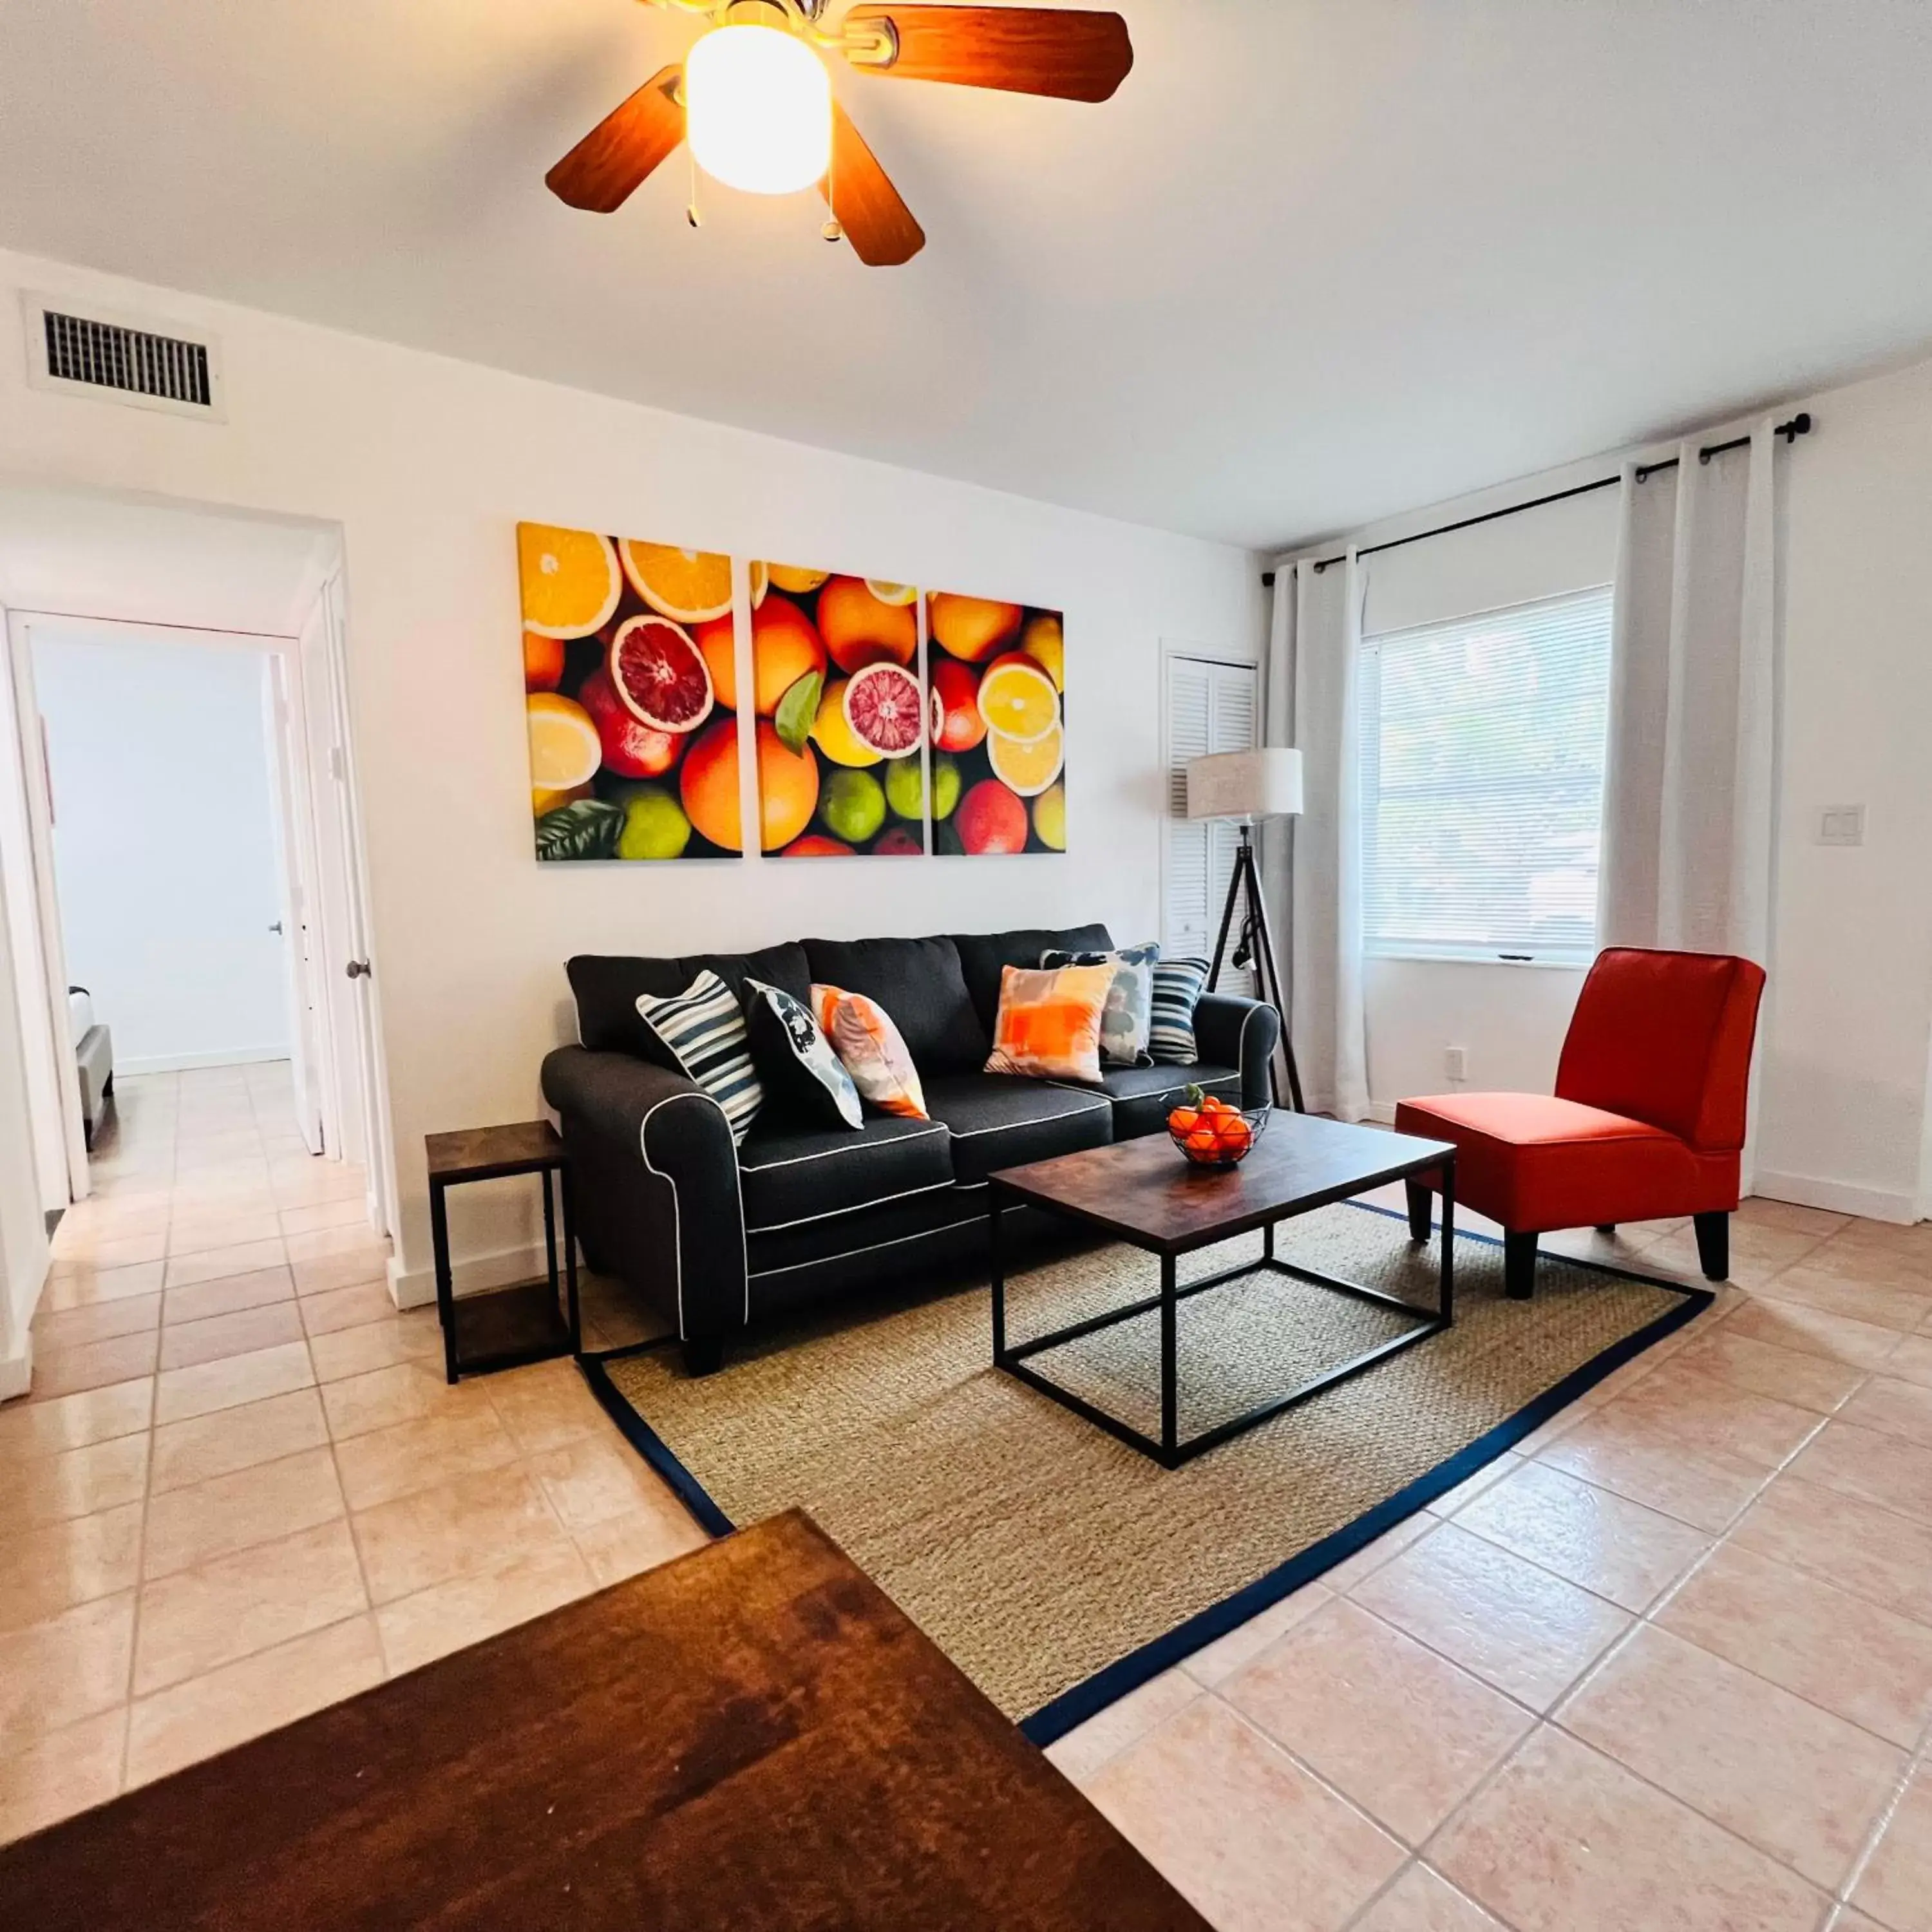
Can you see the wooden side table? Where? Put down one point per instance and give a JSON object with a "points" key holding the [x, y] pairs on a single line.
{"points": [[508, 1326]]}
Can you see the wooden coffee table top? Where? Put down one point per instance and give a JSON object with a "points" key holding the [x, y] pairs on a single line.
{"points": [[1143, 1191], [752, 1737]]}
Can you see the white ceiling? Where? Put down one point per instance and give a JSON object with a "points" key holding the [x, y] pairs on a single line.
{"points": [[83, 554], [1318, 261]]}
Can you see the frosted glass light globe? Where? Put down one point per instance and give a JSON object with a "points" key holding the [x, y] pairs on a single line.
{"points": [[758, 110]]}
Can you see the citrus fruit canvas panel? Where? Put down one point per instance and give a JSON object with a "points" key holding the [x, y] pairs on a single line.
{"points": [[629, 688], [841, 714], [997, 721]]}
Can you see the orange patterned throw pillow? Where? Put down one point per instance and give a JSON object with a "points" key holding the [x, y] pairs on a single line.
{"points": [[1049, 1022], [869, 1047]]}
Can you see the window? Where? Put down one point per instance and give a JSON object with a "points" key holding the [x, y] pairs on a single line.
{"points": [[1210, 707], [1482, 750]]}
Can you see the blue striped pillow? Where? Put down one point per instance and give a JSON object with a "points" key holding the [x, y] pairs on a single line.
{"points": [[1178, 984], [703, 1029]]}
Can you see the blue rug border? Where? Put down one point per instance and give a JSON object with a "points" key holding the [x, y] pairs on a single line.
{"points": [[1085, 1700]]}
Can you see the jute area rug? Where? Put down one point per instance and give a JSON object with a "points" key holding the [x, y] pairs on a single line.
{"points": [[1060, 1568]]}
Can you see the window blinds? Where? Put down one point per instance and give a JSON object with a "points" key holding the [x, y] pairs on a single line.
{"points": [[1482, 747], [1211, 707]]}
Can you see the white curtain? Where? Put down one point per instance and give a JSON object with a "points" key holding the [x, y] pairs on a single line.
{"points": [[1689, 795], [1314, 651]]}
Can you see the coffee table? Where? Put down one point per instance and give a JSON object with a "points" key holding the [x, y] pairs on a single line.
{"points": [[1143, 1192]]}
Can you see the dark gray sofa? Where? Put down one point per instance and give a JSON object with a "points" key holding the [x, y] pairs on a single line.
{"points": [[718, 1239]]}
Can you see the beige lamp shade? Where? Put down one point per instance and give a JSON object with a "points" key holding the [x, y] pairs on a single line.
{"points": [[1265, 783]]}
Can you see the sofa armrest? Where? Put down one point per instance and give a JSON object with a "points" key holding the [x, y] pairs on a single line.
{"points": [[1230, 1031], [654, 1186]]}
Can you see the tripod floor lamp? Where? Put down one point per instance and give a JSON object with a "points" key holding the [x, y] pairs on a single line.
{"points": [[1248, 786]]}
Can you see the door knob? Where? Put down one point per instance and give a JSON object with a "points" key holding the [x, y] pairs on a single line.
{"points": [[358, 969]]}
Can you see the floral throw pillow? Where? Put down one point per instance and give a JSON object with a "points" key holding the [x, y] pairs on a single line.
{"points": [[1128, 1017], [870, 1049], [795, 1061], [1048, 1026]]}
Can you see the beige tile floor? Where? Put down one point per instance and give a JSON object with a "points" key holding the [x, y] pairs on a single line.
{"points": [[1667, 1668], [241, 1489]]}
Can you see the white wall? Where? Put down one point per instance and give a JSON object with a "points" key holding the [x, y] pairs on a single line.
{"points": [[428, 465], [1844, 1119], [165, 845]]}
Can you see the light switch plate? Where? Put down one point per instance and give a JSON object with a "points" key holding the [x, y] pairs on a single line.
{"points": [[1842, 825], [1455, 1062]]}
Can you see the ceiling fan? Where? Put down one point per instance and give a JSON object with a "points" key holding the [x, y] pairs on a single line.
{"points": [[754, 100]]}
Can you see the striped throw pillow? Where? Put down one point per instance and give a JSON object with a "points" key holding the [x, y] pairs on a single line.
{"points": [[1178, 984], [703, 1030]]}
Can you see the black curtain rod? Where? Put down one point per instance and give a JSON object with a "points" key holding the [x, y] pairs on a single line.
{"points": [[1799, 425]]}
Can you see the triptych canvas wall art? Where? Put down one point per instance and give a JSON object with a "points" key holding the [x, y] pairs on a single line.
{"points": [[887, 724]]}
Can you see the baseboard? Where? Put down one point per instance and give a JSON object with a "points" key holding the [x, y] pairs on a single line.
{"points": [[188, 1062], [1382, 1112], [1837, 1197], [17, 1372], [475, 1274]]}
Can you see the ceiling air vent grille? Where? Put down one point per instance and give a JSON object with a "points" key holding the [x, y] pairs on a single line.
{"points": [[122, 358], [114, 358]]}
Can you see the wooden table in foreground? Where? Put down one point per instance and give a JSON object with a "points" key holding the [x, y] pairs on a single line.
{"points": [[752, 1738]]}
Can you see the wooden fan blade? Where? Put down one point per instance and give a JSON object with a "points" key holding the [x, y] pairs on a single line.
{"points": [[606, 167], [877, 224], [1076, 56]]}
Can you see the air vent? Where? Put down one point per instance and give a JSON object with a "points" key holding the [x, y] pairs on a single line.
{"points": [[104, 352], [119, 359]]}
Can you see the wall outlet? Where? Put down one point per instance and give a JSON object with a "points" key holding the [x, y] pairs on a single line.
{"points": [[1456, 1062], [1842, 825]]}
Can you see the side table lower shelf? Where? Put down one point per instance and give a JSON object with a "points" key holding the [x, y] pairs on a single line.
{"points": [[532, 1321]]}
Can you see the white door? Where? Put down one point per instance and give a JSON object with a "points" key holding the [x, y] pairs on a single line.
{"points": [[308, 1050], [1208, 707]]}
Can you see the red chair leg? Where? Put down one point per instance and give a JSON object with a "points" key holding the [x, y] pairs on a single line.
{"points": [[1518, 1266], [1713, 1245], [1420, 1211]]}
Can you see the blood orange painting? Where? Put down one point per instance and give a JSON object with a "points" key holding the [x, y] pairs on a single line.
{"points": [[996, 720], [841, 714], [630, 690]]}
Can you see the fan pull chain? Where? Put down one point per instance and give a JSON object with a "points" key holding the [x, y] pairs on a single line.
{"points": [[831, 231]]}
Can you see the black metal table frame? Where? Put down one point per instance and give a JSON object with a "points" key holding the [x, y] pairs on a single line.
{"points": [[569, 1338], [1169, 1451]]}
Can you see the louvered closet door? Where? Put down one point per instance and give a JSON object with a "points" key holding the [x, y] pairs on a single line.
{"points": [[1210, 707]]}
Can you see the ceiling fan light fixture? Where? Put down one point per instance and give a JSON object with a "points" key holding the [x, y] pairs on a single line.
{"points": [[758, 110]]}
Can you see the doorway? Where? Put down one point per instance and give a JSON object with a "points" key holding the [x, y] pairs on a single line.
{"points": [[179, 840]]}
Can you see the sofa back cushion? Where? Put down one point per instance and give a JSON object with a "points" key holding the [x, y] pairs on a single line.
{"points": [[606, 986], [984, 957], [919, 984]]}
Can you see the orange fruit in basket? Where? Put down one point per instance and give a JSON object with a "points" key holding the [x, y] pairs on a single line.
{"points": [[1235, 1134], [1184, 1119], [1203, 1143]]}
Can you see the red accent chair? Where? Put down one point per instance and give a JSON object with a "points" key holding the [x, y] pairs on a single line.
{"points": [[1647, 1121]]}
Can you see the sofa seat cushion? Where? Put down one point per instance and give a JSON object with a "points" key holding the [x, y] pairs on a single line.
{"points": [[918, 983], [1144, 1096], [791, 1175], [1535, 1163], [999, 1121]]}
